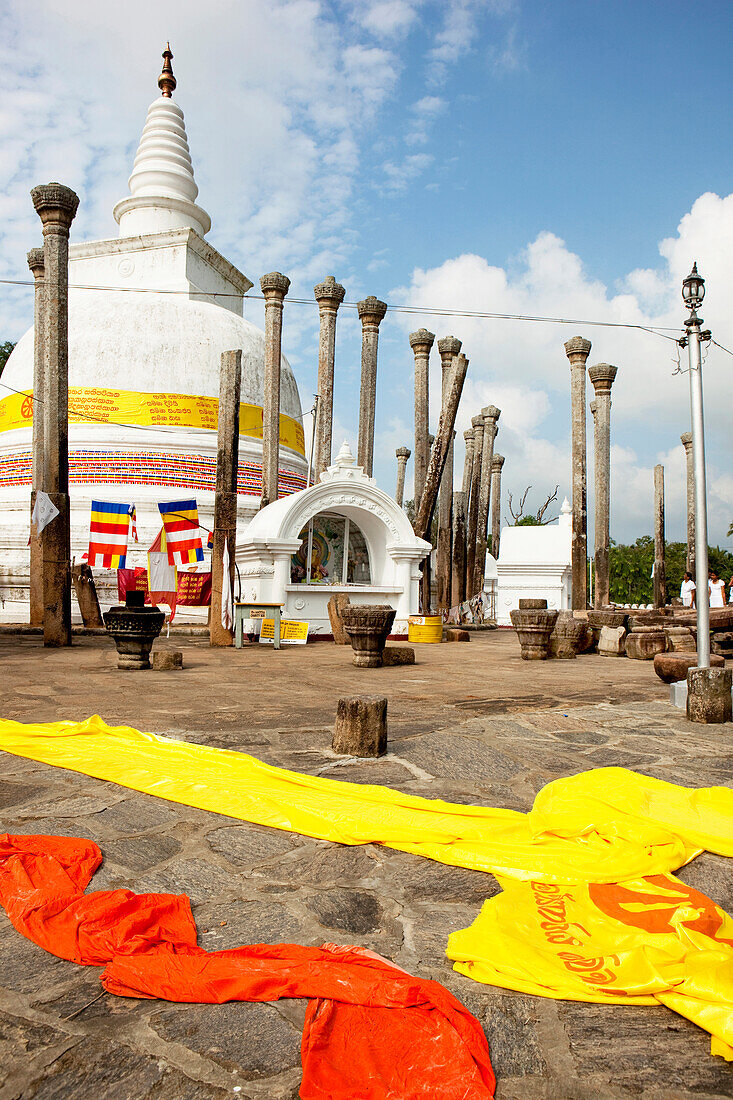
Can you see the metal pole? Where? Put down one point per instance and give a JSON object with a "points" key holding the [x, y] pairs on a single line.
{"points": [[702, 595]]}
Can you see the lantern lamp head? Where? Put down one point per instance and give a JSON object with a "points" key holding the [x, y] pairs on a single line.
{"points": [[693, 288]]}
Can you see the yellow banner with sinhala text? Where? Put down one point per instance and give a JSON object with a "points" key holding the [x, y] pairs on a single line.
{"points": [[167, 410]]}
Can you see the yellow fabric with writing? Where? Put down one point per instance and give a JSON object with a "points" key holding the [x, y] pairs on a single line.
{"points": [[170, 410], [588, 909]]}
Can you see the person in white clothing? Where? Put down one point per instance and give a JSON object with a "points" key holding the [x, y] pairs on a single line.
{"points": [[687, 591], [716, 587], [730, 591]]}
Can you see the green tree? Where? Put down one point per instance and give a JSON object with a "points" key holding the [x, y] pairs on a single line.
{"points": [[631, 569], [5, 350]]}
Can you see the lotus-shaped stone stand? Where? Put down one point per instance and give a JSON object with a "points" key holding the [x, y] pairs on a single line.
{"points": [[368, 627], [133, 630], [533, 628]]}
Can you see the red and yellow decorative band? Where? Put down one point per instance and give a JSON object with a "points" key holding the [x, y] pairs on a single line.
{"points": [[168, 410], [195, 472]]}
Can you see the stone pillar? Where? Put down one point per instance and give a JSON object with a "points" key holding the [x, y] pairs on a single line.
{"points": [[329, 294], [577, 350], [371, 312], [403, 453], [687, 444], [35, 263], [660, 576], [472, 519], [439, 451], [421, 342], [490, 416], [467, 465], [496, 464], [602, 376], [274, 287], [225, 500], [458, 554], [448, 347], [56, 206]]}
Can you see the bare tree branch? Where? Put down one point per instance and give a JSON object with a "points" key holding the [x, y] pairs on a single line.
{"points": [[516, 517], [542, 522]]}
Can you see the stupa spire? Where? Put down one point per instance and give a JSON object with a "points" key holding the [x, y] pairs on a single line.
{"points": [[163, 190], [166, 80]]}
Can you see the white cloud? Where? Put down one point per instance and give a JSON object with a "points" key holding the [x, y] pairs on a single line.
{"points": [[398, 176], [522, 367]]}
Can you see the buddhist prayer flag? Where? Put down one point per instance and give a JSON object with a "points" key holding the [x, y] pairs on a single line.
{"points": [[162, 583], [181, 524], [108, 531], [133, 521]]}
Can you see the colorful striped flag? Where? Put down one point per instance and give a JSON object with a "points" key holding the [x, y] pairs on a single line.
{"points": [[108, 531], [162, 576], [181, 523], [133, 519]]}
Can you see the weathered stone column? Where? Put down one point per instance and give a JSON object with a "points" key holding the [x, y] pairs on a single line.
{"points": [[35, 263], [56, 206], [371, 313], [225, 500], [490, 417], [458, 555], [472, 519], [686, 439], [660, 573], [577, 350], [403, 453], [329, 294], [467, 465], [421, 342], [274, 287], [448, 346], [602, 376], [496, 464], [439, 451]]}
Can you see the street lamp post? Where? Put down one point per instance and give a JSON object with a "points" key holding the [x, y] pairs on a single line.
{"points": [[693, 292]]}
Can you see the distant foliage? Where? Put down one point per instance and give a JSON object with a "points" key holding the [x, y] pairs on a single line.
{"points": [[631, 569], [5, 350]]}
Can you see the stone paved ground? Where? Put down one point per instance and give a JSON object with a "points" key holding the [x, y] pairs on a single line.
{"points": [[470, 723]]}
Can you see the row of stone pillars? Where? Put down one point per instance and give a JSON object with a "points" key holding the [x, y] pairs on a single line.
{"points": [[463, 516], [602, 376]]}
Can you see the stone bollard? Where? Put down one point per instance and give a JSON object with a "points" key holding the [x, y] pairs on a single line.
{"points": [[361, 726], [709, 695], [166, 659], [533, 627], [612, 641]]}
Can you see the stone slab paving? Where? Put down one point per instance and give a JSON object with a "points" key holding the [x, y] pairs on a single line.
{"points": [[468, 723]]}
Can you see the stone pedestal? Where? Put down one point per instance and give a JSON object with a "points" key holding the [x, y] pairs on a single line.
{"points": [[533, 631], [133, 629], [709, 695], [598, 619], [368, 628], [361, 726], [568, 637], [680, 639]]}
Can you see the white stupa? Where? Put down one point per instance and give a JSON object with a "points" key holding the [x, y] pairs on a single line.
{"points": [[144, 368]]}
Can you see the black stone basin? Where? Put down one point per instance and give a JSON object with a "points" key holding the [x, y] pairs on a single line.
{"points": [[134, 628]]}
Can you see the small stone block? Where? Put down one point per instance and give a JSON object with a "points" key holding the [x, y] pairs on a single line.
{"points": [[164, 660], [454, 635], [398, 655], [532, 605], [361, 726], [644, 645], [612, 642], [709, 695]]}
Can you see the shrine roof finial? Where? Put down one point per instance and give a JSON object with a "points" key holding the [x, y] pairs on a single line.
{"points": [[166, 80]]}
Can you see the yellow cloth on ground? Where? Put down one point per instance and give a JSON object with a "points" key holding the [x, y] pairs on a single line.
{"points": [[588, 911]]}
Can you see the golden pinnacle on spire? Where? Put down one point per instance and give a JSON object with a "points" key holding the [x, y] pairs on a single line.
{"points": [[166, 80]]}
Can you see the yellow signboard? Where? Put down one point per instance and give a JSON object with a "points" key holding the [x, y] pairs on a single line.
{"points": [[169, 410], [292, 632]]}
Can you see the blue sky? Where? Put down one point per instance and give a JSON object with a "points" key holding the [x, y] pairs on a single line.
{"points": [[556, 158]]}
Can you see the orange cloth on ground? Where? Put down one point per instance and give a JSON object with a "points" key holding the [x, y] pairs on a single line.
{"points": [[370, 1026]]}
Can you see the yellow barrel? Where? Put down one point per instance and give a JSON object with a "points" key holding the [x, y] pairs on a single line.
{"points": [[425, 628]]}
